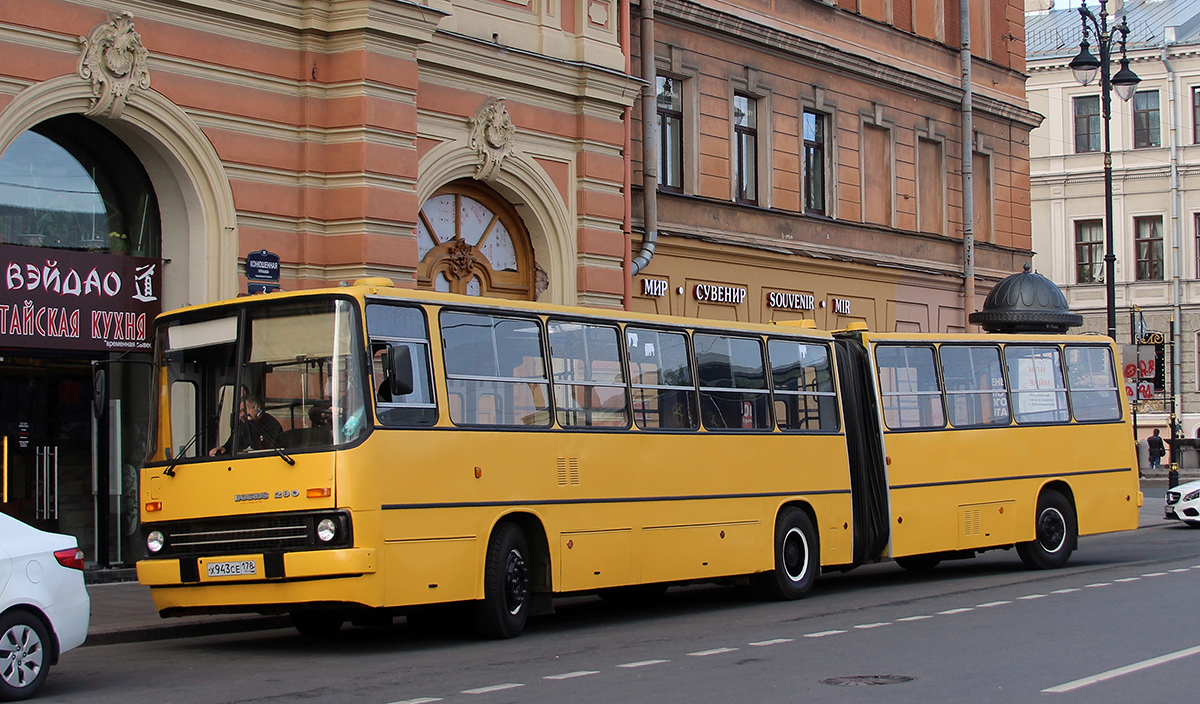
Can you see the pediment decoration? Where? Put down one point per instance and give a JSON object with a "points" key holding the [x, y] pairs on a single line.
{"points": [[114, 60], [492, 137]]}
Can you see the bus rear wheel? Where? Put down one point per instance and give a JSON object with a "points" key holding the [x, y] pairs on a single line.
{"points": [[797, 558], [1055, 533], [504, 609]]}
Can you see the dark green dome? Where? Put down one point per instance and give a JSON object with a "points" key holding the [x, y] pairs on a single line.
{"points": [[1026, 302]]}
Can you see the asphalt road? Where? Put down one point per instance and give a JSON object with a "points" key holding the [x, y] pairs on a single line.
{"points": [[1107, 628]]}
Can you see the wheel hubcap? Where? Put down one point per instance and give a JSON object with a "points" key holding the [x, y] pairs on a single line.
{"points": [[20, 656], [795, 555], [516, 582], [1052, 530]]}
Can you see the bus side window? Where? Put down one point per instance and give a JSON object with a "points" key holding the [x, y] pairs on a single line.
{"points": [[974, 378], [733, 383], [1035, 378], [664, 395], [392, 328], [1093, 383], [495, 365], [908, 384], [802, 381], [589, 379]]}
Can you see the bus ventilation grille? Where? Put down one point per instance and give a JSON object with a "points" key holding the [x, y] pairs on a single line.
{"points": [[971, 524], [568, 471]]}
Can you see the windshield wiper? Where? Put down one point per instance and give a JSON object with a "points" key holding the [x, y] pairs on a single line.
{"points": [[170, 470]]}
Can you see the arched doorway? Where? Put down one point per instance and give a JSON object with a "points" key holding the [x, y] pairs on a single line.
{"points": [[76, 207], [471, 241]]}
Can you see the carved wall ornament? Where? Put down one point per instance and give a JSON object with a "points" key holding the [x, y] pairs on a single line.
{"points": [[114, 60], [492, 136], [462, 259]]}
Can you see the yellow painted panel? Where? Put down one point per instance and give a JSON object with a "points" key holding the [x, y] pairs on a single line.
{"points": [[592, 560], [695, 552], [430, 571], [982, 525]]}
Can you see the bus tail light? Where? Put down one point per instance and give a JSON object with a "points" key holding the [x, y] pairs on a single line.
{"points": [[321, 492], [152, 506]]}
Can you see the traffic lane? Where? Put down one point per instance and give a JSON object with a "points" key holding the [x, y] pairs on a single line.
{"points": [[377, 663]]}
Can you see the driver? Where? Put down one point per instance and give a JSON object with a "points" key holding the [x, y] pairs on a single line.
{"points": [[256, 429]]}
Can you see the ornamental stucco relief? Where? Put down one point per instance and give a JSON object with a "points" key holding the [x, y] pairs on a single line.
{"points": [[114, 60], [492, 137]]}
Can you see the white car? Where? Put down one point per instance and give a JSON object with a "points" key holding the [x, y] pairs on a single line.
{"points": [[1183, 502], [44, 606]]}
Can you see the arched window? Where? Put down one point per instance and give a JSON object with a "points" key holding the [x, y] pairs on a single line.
{"points": [[470, 241], [68, 183]]}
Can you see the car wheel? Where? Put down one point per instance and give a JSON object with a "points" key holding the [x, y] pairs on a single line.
{"points": [[1055, 532], [797, 558], [24, 658], [505, 605]]}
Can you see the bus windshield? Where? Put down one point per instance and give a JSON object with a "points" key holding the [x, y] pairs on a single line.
{"points": [[260, 380]]}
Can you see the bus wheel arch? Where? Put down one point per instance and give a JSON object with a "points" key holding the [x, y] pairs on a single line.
{"points": [[1056, 529], [796, 555], [515, 567]]}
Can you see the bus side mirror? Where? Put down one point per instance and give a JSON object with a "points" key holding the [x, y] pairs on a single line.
{"points": [[400, 370], [99, 391]]}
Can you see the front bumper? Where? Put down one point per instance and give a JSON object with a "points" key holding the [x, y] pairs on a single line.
{"points": [[267, 567]]}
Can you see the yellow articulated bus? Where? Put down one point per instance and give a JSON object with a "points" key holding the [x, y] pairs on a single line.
{"points": [[363, 451]]}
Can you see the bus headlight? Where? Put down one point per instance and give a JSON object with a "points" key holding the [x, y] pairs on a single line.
{"points": [[327, 530], [155, 541]]}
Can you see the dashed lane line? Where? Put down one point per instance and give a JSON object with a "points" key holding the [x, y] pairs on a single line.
{"points": [[493, 688], [951, 612], [1068, 590], [822, 634], [642, 663], [714, 651], [572, 675], [420, 700], [990, 604], [1127, 579], [773, 641], [922, 617], [879, 624], [1154, 574], [1097, 584], [1180, 569], [1027, 597]]}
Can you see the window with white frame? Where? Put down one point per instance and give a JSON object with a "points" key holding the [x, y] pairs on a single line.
{"points": [[745, 132]]}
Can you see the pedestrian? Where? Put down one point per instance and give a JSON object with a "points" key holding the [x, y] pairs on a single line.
{"points": [[1156, 448]]}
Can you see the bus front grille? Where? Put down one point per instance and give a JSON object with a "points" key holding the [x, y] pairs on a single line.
{"points": [[248, 534]]}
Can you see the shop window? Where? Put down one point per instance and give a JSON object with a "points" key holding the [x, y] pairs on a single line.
{"points": [[68, 183]]}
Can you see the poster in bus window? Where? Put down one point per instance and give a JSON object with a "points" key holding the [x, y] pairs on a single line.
{"points": [[1034, 373]]}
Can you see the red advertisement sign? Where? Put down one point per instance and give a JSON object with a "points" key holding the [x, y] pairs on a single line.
{"points": [[63, 299]]}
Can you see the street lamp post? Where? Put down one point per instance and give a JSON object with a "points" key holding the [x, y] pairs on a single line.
{"points": [[1085, 67]]}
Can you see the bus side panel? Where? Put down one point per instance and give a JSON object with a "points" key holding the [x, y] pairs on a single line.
{"points": [[975, 488], [617, 508]]}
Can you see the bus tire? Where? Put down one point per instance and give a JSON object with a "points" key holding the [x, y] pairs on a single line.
{"points": [[1055, 531], [504, 609], [797, 558], [919, 563], [318, 624]]}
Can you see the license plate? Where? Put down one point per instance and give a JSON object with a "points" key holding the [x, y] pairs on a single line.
{"points": [[232, 569]]}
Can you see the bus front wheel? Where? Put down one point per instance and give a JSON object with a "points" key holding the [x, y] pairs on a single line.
{"points": [[797, 558], [1055, 532], [505, 605]]}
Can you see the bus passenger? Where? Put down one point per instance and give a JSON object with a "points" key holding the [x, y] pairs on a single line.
{"points": [[256, 429]]}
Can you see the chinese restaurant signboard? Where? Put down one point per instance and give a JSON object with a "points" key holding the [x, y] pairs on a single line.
{"points": [[64, 299]]}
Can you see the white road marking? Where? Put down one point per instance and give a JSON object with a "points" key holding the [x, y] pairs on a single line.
{"points": [[492, 688], [643, 663], [1031, 596], [874, 625], [572, 675], [1118, 672], [1179, 569], [1154, 574], [950, 612], [822, 634], [922, 617], [1127, 579], [773, 641], [991, 604], [1068, 590], [714, 651], [1097, 584], [420, 700]]}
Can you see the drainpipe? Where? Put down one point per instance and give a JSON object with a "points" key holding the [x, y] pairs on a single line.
{"points": [[968, 177], [1176, 233], [649, 143], [627, 181]]}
